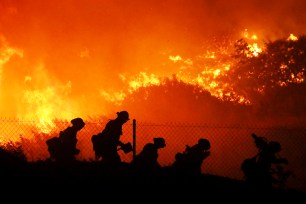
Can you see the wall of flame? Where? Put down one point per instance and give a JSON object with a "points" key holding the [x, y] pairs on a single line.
{"points": [[66, 59]]}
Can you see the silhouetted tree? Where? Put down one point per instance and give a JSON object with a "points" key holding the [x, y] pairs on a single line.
{"points": [[281, 63]]}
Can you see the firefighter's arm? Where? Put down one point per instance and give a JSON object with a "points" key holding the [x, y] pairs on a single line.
{"points": [[121, 144]]}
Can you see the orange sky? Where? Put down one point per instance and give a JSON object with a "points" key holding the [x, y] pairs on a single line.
{"points": [[62, 59]]}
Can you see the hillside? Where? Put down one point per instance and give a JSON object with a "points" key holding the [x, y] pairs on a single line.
{"points": [[97, 181]]}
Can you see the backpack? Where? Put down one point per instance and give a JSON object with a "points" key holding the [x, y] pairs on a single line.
{"points": [[54, 147], [249, 166], [99, 143]]}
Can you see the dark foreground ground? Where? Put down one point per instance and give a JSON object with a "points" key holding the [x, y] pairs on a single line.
{"points": [[94, 182]]}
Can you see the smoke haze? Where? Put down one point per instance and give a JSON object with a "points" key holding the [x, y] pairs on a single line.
{"points": [[79, 58]]}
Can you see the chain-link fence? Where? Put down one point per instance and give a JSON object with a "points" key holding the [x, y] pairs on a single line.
{"points": [[230, 144]]}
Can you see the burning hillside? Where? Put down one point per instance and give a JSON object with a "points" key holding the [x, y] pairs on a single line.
{"points": [[60, 60], [206, 62]]}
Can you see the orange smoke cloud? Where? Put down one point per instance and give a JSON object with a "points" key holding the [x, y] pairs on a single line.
{"points": [[61, 59]]}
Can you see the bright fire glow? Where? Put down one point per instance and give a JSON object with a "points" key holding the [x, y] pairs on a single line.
{"points": [[63, 59], [43, 98], [292, 37]]}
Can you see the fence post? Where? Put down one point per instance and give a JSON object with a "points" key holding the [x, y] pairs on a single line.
{"points": [[134, 139]]}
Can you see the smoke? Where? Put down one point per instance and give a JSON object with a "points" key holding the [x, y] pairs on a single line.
{"points": [[79, 56], [86, 58]]}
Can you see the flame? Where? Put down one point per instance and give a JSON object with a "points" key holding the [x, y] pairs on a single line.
{"points": [[63, 60], [255, 49], [175, 58], [202, 72], [292, 37], [143, 80], [42, 96]]}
